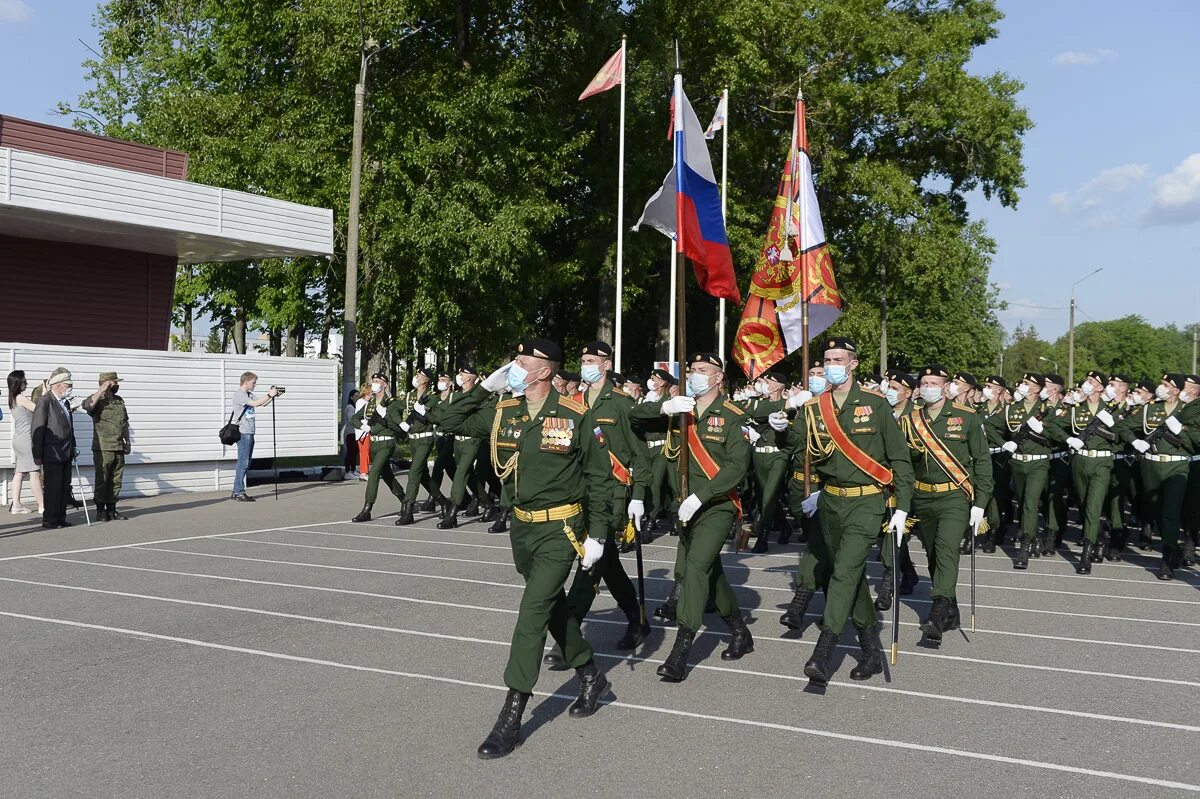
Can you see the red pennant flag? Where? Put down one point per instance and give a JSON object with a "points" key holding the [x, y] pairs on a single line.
{"points": [[608, 76]]}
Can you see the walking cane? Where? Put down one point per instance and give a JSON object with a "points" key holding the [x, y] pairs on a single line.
{"points": [[274, 462], [973, 536], [79, 483], [637, 546], [895, 598]]}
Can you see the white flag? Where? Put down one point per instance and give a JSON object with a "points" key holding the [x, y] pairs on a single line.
{"points": [[718, 120]]}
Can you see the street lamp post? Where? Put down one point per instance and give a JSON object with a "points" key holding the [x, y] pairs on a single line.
{"points": [[1071, 329], [1050, 361]]}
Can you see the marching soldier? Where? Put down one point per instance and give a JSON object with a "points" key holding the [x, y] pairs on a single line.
{"points": [[465, 451], [110, 444], [1120, 488], [993, 411], [422, 435], [1030, 450], [661, 437], [860, 453], [545, 446], [1191, 504], [1059, 480], [953, 474], [901, 386], [769, 461], [717, 462], [904, 384], [378, 418]]}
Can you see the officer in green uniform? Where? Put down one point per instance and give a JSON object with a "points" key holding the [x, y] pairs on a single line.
{"points": [[1191, 501], [993, 409], [422, 435], [546, 447], [443, 448], [718, 456], [110, 444], [816, 567], [770, 463], [466, 450], [1163, 433], [1087, 429], [859, 452], [661, 449], [953, 472], [379, 417], [903, 384], [1058, 482], [1030, 450], [1120, 487]]}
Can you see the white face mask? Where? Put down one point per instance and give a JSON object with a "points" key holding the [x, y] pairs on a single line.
{"points": [[415, 384], [953, 390], [1022, 393], [1044, 394], [932, 394], [443, 385], [460, 380], [1162, 392], [1109, 394], [1087, 389], [376, 388], [988, 393]]}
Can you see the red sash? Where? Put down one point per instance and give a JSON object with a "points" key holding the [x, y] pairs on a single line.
{"points": [[708, 465], [871, 467], [944, 457]]}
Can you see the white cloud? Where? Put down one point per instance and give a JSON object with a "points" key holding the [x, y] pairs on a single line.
{"points": [[1081, 58], [1092, 201], [1176, 195], [14, 11]]}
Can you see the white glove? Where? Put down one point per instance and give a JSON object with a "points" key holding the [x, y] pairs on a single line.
{"points": [[1075, 443], [809, 505], [1035, 425], [637, 512], [1141, 446], [799, 398], [419, 407], [1009, 446], [498, 379], [404, 426], [592, 551], [1173, 425], [364, 430], [896, 525], [753, 434], [677, 405], [976, 519], [1106, 418], [652, 396], [778, 421], [688, 508]]}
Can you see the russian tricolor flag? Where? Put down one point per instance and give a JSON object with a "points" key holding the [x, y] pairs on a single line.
{"points": [[692, 215]]}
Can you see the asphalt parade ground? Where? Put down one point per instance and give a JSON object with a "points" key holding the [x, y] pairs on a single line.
{"points": [[207, 648]]}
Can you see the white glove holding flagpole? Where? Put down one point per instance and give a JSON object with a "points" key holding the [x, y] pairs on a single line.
{"points": [[677, 405]]}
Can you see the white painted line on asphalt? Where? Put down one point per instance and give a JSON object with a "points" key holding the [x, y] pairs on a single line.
{"points": [[882, 742], [589, 621], [611, 656]]}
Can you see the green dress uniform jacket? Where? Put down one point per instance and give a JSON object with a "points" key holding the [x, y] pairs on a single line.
{"points": [[383, 420], [1165, 467], [110, 445]]}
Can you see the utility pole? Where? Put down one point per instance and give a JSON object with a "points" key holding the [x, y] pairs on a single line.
{"points": [[883, 345], [1071, 329], [350, 315], [1195, 342]]}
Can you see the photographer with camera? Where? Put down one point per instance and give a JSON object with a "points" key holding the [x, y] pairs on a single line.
{"points": [[242, 407]]}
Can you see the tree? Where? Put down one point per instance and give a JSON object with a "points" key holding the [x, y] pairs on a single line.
{"points": [[215, 343]]}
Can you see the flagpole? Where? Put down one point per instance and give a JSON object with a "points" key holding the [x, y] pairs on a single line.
{"points": [[799, 139], [680, 262], [620, 218], [724, 215]]}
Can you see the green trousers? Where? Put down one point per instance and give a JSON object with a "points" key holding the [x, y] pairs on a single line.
{"points": [[382, 452], [110, 469], [608, 569], [885, 553], [1000, 505], [944, 518], [1056, 495], [466, 477], [1029, 481], [544, 557], [816, 565], [418, 473], [1093, 480], [1166, 489], [850, 526], [1191, 504], [701, 540], [664, 484], [770, 473], [1120, 491]]}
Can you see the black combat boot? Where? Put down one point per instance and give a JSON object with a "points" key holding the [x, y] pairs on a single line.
{"points": [[406, 514], [1022, 560], [472, 509], [666, 611], [1116, 545], [741, 643], [364, 515], [760, 542], [785, 535], [553, 660], [506, 734], [491, 510], [938, 619], [674, 668], [883, 599], [1166, 569], [635, 631], [908, 578], [987, 542], [793, 617], [872, 649], [115, 515], [819, 667], [1048, 544], [953, 621], [1187, 554], [1099, 549], [501, 523], [429, 505], [449, 518], [1085, 558], [592, 685]]}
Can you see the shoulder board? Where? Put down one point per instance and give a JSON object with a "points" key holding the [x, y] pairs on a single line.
{"points": [[573, 405], [508, 403], [812, 402], [734, 408], [619, 392], [872, 393], [965, 408]]}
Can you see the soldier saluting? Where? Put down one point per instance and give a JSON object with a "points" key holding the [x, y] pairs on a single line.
{"points": [[110, 444]]}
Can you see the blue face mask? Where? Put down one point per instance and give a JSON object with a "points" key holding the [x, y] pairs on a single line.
{"points": [[516, 378], [697, 385], [591, 374], [817, 384], [893, 397], [836, 374]]}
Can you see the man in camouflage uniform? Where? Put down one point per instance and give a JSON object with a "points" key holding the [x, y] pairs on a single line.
{"points": [[110, 444]]}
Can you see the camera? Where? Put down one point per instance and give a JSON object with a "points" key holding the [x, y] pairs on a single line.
{"points": [[279, 389]]}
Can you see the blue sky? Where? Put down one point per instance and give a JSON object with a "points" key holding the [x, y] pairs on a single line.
{"points": [[1113, 163]]}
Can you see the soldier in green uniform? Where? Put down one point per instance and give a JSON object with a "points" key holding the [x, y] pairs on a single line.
{"points": [[546, 446], [860, 453], [422, 436], [1191, 501], [904, 384], [110, 444], [465, 451], [379, 417], [1120, 488], [993, 410], [953, 473], [770, 463], [718, 456], [1030, 450], [1087, 429], [1058, 482], [661, 437], [1163, 433]]}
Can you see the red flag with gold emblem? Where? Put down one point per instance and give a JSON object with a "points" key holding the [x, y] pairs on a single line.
{"points": [[790, 268]]}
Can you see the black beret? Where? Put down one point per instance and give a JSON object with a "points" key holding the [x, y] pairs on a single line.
{"points": [[664, 375], [562, 374], [1195, 379], [445, 374], [935, 370], [616, 377], [1175, 379], [840, 343], [903, 377], [996, 380], [776, 375], [875, 378], [1103, 378], [428, 371], [540, 348], [470, 370], [968, 378], [1034, 377], [572, 377], [710, 358], [380, 376], [1057, 380], [637, 381], [1146, 385], [1119, 378], [603, 349]]}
